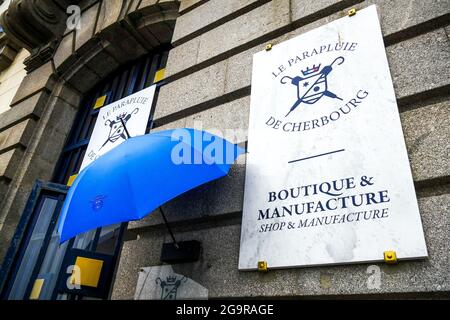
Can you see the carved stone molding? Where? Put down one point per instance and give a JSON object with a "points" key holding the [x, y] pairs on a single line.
{"points": [[36, 25], [32, 23]]}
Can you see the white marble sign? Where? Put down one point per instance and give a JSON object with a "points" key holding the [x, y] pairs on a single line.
{"points": [[108, 132], [328, 179]]}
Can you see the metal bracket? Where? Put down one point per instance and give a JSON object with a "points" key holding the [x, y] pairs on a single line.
{"points": [[262, 266], [268, 47], [183, 251], [390, 257], [352, 12]]}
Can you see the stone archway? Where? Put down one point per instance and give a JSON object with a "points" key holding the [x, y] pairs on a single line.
{"points": [[115, 32]]}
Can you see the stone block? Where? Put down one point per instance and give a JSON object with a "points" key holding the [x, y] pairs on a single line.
{"points": [[18, 135], [109, 14], [427, 133], [83, 37], [164, 4], [130, 7], [188, 4], [171, 125], [239, 69], [64, 57], [227, 120], [401, 15], [4, 185], [85, 4], [223, 120], [31, 107], [156, 31], [217, 268], [182, 57], [68, 94], [302, 9], [189, 24], [102, 64], [9, 162], [82, 78], [148, 8], [37, 80], [420, 64], [122, 46], [147, 3], [62, 116], [51, 144], [192, 90]]}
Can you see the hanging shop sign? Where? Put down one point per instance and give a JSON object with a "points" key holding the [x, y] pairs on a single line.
{"points": [[328, 179], [109, 132]]}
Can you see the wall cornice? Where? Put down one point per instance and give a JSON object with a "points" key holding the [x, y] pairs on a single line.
{"points": [[36, 26]]}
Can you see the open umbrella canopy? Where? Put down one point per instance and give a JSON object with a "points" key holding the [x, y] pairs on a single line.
{"points": [[141, 174]]}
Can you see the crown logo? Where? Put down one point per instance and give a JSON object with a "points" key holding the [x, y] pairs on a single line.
{"points": [[309, 71], [121, 116], [171, 279]]}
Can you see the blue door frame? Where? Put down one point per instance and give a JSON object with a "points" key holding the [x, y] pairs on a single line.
{"points": [[21, 238]]}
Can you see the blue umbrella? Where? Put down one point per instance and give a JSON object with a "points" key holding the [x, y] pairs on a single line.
{"points": [[135, 178]]}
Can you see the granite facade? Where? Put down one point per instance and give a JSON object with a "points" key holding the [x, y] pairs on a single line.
{"points": [[208, 78]]}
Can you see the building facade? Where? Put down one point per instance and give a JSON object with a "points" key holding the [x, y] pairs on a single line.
{"points": [[198, 53]]}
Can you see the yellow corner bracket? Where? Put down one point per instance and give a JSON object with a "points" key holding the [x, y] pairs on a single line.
{"points": [[90, 271], [390, 257], [100, 102], [262, 266], [37, 288], [269, 47], [159, 75], [71, 180], [351, 12]]}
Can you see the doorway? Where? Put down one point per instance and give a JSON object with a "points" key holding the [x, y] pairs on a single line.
{"points": [[36, 265]]}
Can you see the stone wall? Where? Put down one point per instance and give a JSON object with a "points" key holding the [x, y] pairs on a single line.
{"points": [[10, 80], [209, 72]]}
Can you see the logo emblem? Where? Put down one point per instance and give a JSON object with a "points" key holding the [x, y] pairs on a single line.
{"points": [[312, 85], [116, 129], [98, 202], [170, 287]]}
